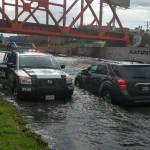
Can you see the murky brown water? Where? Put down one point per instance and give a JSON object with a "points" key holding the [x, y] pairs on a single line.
{"points": [[86, 122]]}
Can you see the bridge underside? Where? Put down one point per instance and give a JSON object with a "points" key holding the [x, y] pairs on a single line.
{"points": [[26, 20]]}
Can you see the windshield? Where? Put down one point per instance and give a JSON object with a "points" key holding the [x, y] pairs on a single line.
{"points": [[134, 71], [38, 62]]}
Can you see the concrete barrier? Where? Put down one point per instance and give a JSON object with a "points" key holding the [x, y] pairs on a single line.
{"points": [[114, 53], [117, 53], [125, 53]]}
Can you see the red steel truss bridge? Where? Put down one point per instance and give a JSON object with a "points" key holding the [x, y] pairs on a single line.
{"points": [[62, 18]]}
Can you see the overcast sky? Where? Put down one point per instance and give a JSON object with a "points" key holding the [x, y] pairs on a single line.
{"points": [[137, 15]]}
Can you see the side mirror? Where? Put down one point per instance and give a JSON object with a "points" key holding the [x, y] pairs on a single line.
{"points": [[62, 66], [84, 71]]}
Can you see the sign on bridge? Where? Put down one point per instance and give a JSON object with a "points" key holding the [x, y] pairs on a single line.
{"points": [[121, 3]]}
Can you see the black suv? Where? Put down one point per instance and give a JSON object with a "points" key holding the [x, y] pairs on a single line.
{"points": [[32, 74], [119, 82]]}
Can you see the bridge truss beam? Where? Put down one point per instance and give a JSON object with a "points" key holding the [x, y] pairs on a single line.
{"points": [[24, 17]]}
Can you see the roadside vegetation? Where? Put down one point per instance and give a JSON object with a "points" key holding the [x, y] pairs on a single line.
{"points": [[13, 132]]}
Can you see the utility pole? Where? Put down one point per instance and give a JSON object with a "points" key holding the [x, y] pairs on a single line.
{"points": [[147, 24]]}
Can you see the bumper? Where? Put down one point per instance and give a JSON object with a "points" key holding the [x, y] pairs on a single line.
{"points": [[41, 93], [122, 98]]}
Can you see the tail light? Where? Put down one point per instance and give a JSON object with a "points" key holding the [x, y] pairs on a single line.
{"points": [[122, 85]]}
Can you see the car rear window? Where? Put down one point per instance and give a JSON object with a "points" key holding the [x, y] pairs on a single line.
{"points": [[133, 71]]}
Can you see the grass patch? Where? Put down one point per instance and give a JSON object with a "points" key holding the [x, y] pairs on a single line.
{"points": [[13, 133]]}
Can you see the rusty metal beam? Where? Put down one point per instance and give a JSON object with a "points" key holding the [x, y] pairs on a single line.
{"points": [[60, 27]]}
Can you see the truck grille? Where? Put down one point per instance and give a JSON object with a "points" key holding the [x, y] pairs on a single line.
{"points": [[48, 83]]}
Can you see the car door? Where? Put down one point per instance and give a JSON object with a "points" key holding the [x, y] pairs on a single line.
{"points": [[88, 77], [3, 65], [97, 77]]}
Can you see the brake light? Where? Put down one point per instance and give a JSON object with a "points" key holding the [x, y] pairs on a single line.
{"points": [[122, 85]]}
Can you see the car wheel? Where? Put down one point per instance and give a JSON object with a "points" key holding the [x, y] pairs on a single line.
{"points": [[107, 96]]}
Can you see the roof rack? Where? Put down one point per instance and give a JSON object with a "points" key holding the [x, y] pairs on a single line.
{"points": [[121, 61], [136, 61], [107, 60]]}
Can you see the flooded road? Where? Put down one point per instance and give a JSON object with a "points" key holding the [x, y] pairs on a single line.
{"points": [[86, 122]]}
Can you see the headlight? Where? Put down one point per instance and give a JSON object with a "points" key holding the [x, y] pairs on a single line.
{"points": [[68, 80], [25, 80]]}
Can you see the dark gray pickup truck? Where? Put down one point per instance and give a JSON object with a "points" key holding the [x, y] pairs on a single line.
{"points": [[33, 74]]}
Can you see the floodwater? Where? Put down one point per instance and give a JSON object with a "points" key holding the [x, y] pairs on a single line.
{"points": [[86, 122]]}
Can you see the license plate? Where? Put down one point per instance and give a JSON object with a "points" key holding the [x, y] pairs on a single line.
{"points": [[49, 97], [145, 89]]}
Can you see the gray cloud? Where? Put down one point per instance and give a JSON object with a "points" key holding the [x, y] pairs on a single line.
{"points": [[144, 3]]}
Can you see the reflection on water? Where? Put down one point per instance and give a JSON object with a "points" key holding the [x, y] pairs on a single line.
{"points": [[86, 122]]}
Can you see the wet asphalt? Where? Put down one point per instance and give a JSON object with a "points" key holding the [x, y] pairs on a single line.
{"points": [[86, 122]]}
